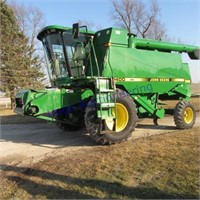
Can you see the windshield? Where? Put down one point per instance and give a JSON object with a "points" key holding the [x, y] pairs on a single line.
{"points": [[55, 56], [75, 49], [64, 59]]}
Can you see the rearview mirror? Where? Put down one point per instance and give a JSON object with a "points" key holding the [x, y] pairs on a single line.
{"points": [[76, 30]]}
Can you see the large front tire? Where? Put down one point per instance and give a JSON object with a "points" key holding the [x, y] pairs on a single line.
{"points": [[126, 118], [184, 115]]}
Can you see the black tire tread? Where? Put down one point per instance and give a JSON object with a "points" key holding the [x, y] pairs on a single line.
{"points": [[179, 115], [104, 138]]}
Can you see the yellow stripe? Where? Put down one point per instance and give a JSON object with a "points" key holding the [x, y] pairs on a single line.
{"points": [[136, 79], [121, 79], [177, 79], [187, 81]]}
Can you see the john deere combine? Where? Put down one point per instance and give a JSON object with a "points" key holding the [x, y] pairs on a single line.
{"points": [[106, 80]]}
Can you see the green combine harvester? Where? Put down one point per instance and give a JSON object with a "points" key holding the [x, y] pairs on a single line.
{"points": [[107, 80]]}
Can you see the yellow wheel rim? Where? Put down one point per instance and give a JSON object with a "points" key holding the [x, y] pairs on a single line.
{"points": [[188, 115], [122, 117]]}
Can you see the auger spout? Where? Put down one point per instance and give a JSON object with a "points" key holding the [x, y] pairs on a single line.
{"points": [[193, 51]]}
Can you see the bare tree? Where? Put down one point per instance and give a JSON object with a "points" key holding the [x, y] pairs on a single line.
{"points": [[90, 24], [30, 20], [134, 16]]}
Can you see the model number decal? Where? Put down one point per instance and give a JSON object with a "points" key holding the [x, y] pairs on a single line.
{"points": [[119, 79], [159, 79]]}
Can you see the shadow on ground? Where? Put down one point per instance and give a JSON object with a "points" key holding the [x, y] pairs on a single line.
{"points": [[50, 136], [24, 178], [44, 135], [156, 127]]}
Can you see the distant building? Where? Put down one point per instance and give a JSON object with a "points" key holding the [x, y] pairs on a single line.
{"points": [[4, 102]]}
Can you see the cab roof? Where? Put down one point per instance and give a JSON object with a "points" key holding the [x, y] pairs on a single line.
{"points": [[53, 28]]}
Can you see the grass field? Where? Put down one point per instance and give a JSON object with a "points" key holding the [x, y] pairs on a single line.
{"points": [[156, 167]]}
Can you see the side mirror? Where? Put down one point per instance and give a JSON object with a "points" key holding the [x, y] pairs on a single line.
{"points": [[76, 30]]}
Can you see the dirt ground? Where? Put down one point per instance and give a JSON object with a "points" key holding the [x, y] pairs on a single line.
{"points": [[28, 143]]}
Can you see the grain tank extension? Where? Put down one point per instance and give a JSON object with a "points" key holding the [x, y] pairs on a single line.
{"points": [[107, 80]]}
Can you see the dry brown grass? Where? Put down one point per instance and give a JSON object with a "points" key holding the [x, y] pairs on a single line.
{"points": [[196, 88], [163, 167]]}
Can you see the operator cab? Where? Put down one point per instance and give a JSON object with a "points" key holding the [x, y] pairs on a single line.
{"points": [[66, 55]]}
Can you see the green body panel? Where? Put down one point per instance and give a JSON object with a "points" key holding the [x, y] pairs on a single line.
{"points": [[143, 64], [46, 101], [117, 60], [112, 35], [110, 59]]}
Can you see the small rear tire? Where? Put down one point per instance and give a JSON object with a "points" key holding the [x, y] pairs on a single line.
{"points": [[184, 115]]}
